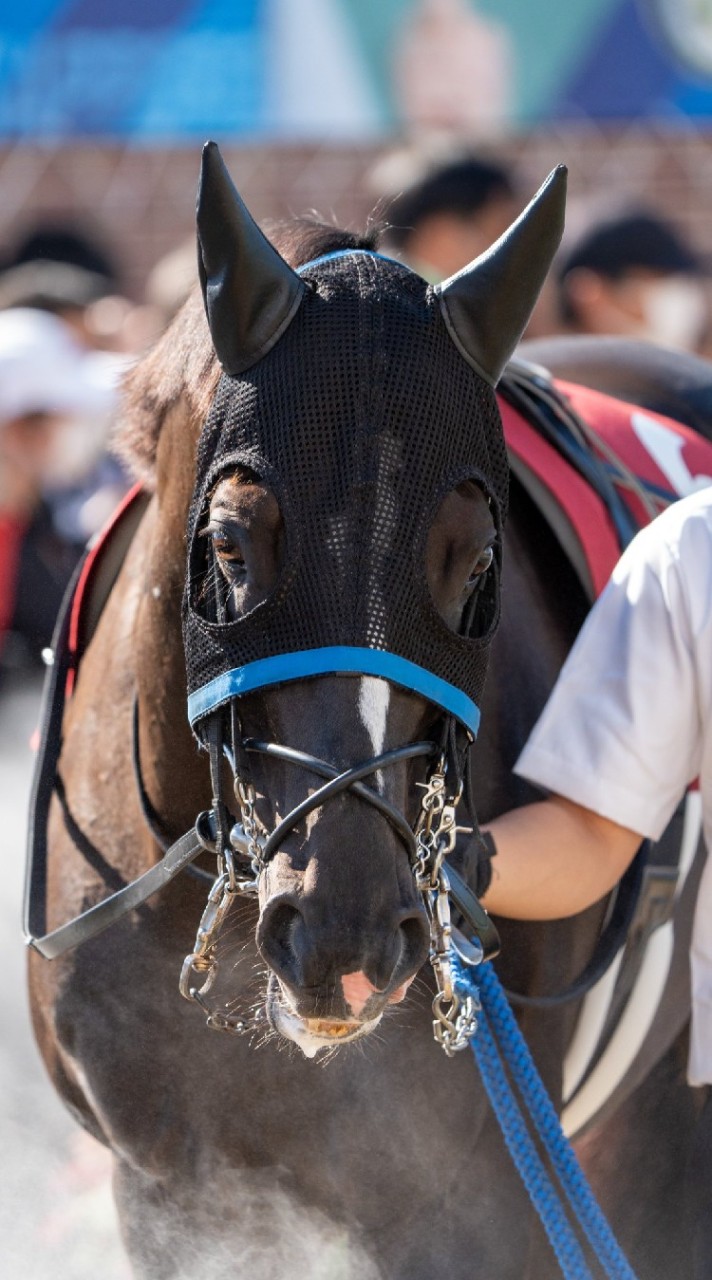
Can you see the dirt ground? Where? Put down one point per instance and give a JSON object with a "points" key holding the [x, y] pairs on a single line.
{"points": [[57, 1219]]}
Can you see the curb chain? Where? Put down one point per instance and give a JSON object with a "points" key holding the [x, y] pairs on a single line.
{"points": [[246, 838], [455, 1004]]}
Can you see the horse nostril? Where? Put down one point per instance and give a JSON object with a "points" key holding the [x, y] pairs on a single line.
{"points": [[304, 952], [275, 938], [415, 941]]}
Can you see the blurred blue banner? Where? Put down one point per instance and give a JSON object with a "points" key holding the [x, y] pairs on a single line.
{"points": [[167, 70], [131, 68]]}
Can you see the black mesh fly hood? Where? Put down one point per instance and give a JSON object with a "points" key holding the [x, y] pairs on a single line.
{"points": [[356, 395]]}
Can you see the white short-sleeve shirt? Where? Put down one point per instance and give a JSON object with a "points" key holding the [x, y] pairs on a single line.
{"points": [[628, 724]]}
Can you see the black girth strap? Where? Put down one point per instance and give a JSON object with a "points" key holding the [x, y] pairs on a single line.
{"points": [[43, 783]]}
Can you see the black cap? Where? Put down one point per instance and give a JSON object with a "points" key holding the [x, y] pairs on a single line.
{"points": [[461, 188], [50, 286], [634, 240]]}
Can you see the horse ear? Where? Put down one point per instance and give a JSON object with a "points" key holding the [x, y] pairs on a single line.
{"points": [[487, 305], [249, 291]]}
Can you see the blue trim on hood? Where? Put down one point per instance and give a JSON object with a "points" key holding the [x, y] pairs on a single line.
{"points": [[346, 253], [333, 660]]}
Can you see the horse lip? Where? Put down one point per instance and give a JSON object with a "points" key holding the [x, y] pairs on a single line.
{"points": [[310, 1034]]}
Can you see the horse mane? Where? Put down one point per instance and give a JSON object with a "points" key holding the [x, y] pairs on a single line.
{"points": [[182, 367]]}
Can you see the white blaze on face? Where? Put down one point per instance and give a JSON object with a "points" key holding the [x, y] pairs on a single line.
{"points": [[373, 702], [374, 698]]}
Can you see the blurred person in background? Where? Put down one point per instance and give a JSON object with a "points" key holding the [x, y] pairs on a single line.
{"points": [[60, 240], [57, 287], [450, 215], [62, 268], [634, 275], [55, 401], [87, 479]]}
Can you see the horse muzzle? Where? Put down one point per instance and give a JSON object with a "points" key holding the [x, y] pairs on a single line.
{"points": [[313, 1033], [334, 972]]}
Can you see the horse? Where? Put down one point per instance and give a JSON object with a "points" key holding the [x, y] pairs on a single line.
{"points": [[333, 1137]]}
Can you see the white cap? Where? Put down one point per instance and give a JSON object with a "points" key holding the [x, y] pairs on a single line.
{"points": [[44, 370]]}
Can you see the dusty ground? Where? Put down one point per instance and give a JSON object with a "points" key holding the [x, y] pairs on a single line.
{"points": [[57, 1218]]}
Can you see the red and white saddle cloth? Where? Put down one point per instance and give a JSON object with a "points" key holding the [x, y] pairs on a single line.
{"points": [[667, 460]]}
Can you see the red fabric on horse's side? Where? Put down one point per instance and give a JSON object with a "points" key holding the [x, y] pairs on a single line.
{"points": [[584, 509], [86, 577], [660, 452], [96, 547]]}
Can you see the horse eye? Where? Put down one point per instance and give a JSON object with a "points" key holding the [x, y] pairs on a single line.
{"points": [[227, 551], [484, 562]]}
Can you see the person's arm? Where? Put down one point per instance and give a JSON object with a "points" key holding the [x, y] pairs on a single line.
{"points": [[621, 734], [555, 858]]}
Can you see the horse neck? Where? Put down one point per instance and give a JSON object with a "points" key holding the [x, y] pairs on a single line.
{"points": [[543, 607], [175, 776]]}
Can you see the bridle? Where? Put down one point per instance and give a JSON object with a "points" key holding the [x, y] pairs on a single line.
{"points": [[244, 849]]}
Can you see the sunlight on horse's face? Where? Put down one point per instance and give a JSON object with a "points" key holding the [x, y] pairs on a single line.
{"points": [[341, 925], [246, 527]]}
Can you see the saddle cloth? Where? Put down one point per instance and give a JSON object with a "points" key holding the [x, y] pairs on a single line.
{"points": [[665, 458]]}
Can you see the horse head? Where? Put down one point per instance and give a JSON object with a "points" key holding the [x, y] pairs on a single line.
{"points": [[342, 580]]}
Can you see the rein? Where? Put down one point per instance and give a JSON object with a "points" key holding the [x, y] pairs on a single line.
{"points": [[528, 1121]]}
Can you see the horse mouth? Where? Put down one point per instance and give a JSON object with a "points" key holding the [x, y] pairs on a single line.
{"points": [[310, 1034]]}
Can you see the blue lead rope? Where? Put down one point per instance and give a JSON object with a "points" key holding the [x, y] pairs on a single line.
{"points": [[499, 1040]]}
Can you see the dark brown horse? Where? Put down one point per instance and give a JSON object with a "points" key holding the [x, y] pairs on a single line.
{"points": [[239, 1156]]}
